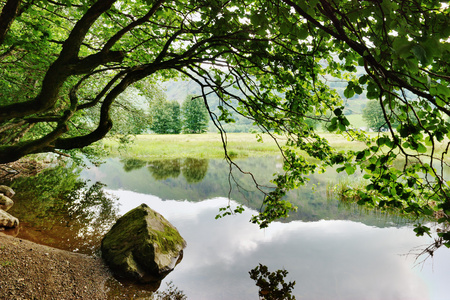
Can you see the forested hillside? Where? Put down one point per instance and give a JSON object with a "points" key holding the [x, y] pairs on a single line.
{"points": [[178, 90]]}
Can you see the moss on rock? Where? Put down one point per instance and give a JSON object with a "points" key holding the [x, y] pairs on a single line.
{"points": [[142, 245]]}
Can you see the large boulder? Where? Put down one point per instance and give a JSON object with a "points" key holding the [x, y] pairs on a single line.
{"points": [[8, 221], [142, 246]]}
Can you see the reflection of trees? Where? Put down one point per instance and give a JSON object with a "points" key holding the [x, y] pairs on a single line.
{"points": [[93, 211], [194, 170], [131, 164], [163, 169], [57, 208], [171, 292], [271, 284]]}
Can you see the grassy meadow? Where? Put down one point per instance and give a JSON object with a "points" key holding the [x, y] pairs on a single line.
{"points": [[208, 145], [356, 120]]}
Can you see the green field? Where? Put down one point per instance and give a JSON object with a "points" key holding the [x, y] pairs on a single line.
{"points": [[356, 120], [209, 145]]}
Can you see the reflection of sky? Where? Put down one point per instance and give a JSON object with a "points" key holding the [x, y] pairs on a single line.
{"points": [[327, 259]]}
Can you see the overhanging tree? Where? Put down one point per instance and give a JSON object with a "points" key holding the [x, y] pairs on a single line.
{"points": [[60, 60]]}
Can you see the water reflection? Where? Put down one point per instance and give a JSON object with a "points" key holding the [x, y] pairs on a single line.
{"points": [[328, 259], [331, 250], [205, 179], [271, 284], [131, 164], [58, 208], [193, 169], [163, 169]]}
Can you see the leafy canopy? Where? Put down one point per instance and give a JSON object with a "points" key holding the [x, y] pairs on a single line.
{"points": [[64, 65]]}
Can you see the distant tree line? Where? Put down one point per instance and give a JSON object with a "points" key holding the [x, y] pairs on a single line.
{"points": [[169, 117]]}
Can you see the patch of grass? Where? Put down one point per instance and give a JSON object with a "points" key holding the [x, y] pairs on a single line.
{"points": [[356, 120], [340, 142], [346, 190], [208, 145], [6, 263]]}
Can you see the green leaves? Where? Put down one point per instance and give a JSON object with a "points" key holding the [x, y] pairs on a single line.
{"points": [[420, 230], [340, 122], [228, 211], [348, 167], [271, 284], [166, 117], [225, 115], [289, 63], [195, 115]]}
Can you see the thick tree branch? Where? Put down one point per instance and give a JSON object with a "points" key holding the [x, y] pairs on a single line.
{"points": [[132, 25], [72, 44], [9, 13], [65, 66], [44, 144]]}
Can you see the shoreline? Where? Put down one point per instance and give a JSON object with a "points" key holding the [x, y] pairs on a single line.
{"points": [[33, 271]]}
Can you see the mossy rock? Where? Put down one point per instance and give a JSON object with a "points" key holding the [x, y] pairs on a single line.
{"points": [[142, 246], [5, 202]]}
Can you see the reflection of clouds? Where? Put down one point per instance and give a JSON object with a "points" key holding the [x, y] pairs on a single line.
{"points": [[347, 260], [327, 259], [206, 237], [95, 174]]}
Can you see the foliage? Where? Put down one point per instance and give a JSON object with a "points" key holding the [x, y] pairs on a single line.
{"points": [[374, 116], [271, 284], [64, 66], [130, 114], [195, 115], [61, 207], [171, 293], [166, 117]]}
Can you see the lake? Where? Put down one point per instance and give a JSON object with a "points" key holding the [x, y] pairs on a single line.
{"points": [[330, 249]]}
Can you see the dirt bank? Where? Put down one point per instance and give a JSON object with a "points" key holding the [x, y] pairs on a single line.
{"points": [[33, 271]]}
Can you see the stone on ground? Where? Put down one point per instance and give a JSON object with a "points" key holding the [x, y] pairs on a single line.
{"points": [[5, 202], [142, 246], [8, 221], [7, 191]]}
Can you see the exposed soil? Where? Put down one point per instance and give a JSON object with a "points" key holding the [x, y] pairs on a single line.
{"points": [[33, 271]]}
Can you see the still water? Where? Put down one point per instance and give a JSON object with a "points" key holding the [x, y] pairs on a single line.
{"points": [[331, 250]]}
